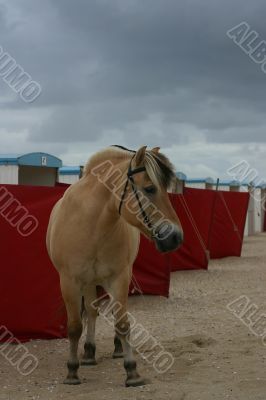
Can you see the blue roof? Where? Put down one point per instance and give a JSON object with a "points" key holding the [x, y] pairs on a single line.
{"points": [[11, 159], [235, 183], [181, 176], [210, 181], [213, 182], [69, 170], [197, 180], [31, 159], [225, 183]]}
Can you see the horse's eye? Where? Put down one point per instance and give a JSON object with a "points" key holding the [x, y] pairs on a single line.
{"points": [[150, 190]]}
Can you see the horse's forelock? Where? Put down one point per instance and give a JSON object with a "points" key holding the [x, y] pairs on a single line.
{"points": [[159, 169]]}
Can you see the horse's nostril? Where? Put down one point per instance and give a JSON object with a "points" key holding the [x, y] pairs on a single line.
{"points": [[177, 238], [169, 242]]}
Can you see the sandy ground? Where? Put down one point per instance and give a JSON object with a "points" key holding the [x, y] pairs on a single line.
{"points": [[216, 355]]}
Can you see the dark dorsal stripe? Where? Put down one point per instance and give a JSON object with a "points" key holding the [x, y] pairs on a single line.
{"points": [[123, 148]]}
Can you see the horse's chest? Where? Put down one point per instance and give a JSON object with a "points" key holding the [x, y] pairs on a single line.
{"points": [[97, 270], [109, 258]]}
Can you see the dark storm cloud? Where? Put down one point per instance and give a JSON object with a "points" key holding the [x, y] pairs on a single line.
{"points": [[122, 65]]}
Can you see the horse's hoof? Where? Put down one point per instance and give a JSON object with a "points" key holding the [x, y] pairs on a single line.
{"points": [[118, 355], [72, 381], [88, 361], [133, 382]]}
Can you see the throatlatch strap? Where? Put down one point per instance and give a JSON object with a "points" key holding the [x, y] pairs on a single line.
{"points": [[130, 172], [123, 197], [130, 178], [146, 219]]}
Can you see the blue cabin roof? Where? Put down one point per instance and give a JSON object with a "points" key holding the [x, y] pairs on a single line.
{"points": [[69, 170], [181, 176], [225, 183], [31, 159]]}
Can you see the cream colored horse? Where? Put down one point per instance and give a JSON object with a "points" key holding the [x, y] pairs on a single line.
{"points": [[93, 239]]}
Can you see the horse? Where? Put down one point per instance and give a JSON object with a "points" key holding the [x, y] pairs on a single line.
{"points": [[93, 239]]}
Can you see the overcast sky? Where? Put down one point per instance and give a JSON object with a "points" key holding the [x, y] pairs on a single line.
{"points": [[134, 72]]}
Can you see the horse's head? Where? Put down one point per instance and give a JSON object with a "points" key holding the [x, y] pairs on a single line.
{"points": [[144, 201]]}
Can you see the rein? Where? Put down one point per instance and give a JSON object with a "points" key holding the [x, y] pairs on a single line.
{"points": [[130, 173]]}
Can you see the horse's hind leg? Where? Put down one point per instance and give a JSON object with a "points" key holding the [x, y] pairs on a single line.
{"points": [[72, 299], [118, 351], [91, 314], [119, 290]]}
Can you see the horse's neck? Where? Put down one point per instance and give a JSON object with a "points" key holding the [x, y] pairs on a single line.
{"points": [[102, 190]]}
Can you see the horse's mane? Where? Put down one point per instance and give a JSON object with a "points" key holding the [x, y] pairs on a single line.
{"points": [[158, 167]]}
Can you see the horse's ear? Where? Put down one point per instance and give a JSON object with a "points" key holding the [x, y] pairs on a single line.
{"points": [[155, 150], [140, 155]]}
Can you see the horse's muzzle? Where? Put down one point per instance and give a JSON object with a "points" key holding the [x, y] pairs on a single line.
{"points": [[168, 238]]}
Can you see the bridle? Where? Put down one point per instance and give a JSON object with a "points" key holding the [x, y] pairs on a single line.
{"points": [[130, 173]]}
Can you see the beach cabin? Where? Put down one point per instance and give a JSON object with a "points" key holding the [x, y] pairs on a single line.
{"points": [[196, 183], [70, 174], [36, 169], [205, 183], [224, 186]]}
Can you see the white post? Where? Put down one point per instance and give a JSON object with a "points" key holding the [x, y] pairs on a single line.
{"points": [[234, 186], [263, 206], [209, 184], [179, 183], [251, 210]]}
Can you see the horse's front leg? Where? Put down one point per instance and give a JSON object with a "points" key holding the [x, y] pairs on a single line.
{"points": [[119, 292], [72, 298]]}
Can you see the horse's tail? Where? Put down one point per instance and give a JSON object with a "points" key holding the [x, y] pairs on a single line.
{"points": [[101, 294], [82, 309]]}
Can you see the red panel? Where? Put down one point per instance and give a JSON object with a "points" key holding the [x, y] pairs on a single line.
{"points": [[151, 271], [61, 184], [31, 305], [228, 224], [194, 209]]}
